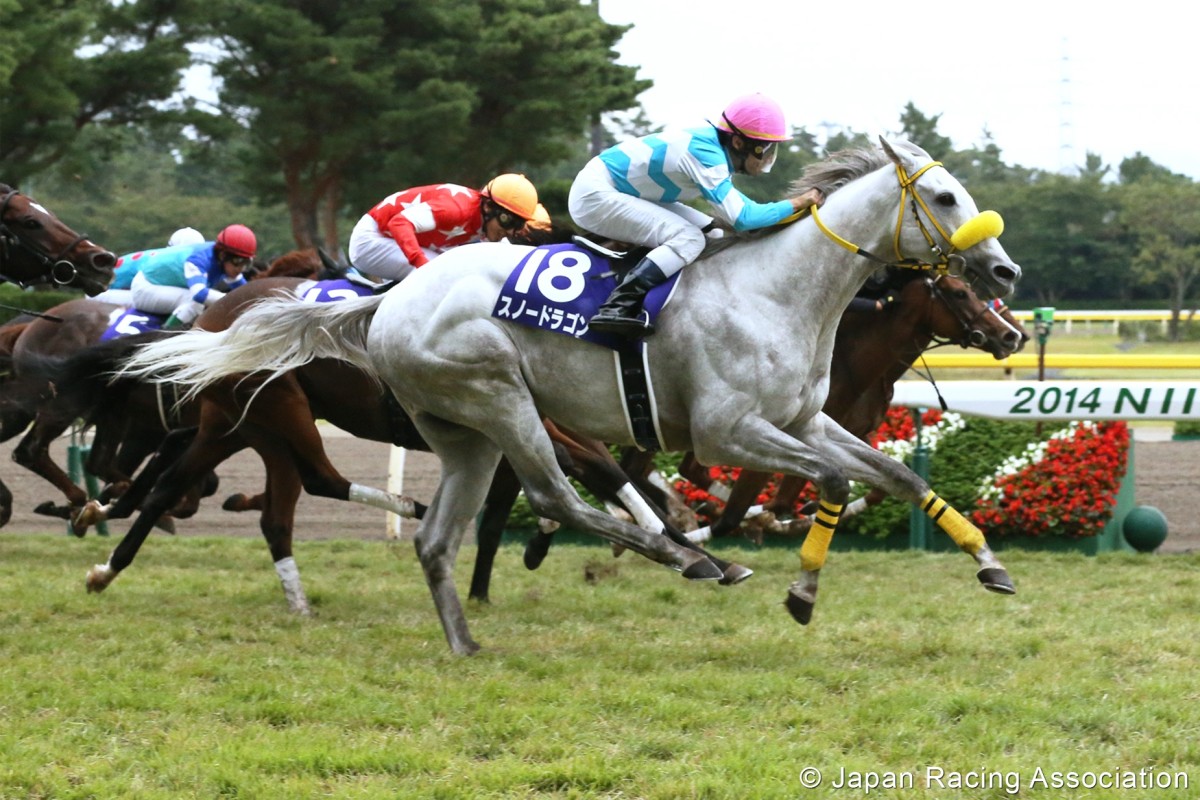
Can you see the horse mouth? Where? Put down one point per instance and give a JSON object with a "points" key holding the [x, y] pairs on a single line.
{"points": [[91, 286]]}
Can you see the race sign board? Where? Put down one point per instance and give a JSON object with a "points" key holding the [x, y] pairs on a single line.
{"points": [[1058, 400]]}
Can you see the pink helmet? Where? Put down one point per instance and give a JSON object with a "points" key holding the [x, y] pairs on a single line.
{"points": [[238, 240], [755, 116]]}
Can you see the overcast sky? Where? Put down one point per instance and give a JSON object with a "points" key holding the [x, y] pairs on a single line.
{"points": [[1050, 80]]}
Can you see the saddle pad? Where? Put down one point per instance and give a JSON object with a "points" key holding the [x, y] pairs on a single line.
{"points": [[559, 287], [334, 290], [128, 321]]}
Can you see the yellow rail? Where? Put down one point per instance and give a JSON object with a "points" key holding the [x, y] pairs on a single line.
{"points": [[1063, 361], [1108, 316]]}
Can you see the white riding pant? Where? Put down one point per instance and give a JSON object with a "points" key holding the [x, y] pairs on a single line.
{"points": [[373, 252], [674, 231], [118, 297], [177, 300]]}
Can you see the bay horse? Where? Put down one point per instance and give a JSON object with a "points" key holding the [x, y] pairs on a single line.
{"points": [[38, 247], [126, 434], [477, 387]]}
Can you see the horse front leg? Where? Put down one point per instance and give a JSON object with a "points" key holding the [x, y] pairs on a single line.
{"points": [[864, 463]]}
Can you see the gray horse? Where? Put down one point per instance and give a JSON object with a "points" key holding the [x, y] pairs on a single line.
{"points": [[739, 369]]}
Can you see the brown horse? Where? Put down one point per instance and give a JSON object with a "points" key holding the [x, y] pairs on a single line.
{"points": [[37, 247], [126, 433]]}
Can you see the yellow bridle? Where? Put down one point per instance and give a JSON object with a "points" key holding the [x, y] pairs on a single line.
{"points": [[984, 225]]}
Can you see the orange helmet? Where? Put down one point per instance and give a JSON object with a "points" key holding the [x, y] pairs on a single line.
{"points": [[513, 192], [541, 219], [238, 240]]}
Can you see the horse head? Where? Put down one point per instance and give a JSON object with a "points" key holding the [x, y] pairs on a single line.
{"points": [[938, 215], [36, 246], [958, 316]]}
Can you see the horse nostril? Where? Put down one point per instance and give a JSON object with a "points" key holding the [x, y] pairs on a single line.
{"points": [[1006, 272], [104, 260]]}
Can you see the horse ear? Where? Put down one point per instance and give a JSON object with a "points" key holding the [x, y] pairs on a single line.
{"points": [[891, 152]]}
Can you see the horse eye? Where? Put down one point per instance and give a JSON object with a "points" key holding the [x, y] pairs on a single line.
{"points": [[32, 224], [945, 199]]}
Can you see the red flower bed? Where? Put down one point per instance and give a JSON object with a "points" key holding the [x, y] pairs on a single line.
{"points": [[1070, 491]]}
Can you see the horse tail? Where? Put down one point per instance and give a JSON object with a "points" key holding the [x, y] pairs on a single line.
{"points": [[275, 335]]}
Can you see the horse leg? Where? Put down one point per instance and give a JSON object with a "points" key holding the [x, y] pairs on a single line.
{"points": [[173, 446], [746, 490], [783, 504], [6, 504], [212, 443], [280, 410], [244, 502], [278, 521], [496, 509], [33, 453], [590, 463], [859, 461], [468, 460]]}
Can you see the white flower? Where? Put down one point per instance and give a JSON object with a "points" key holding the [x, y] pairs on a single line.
{"points": [[1034, 453]]}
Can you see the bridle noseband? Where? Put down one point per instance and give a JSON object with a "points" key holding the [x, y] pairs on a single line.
{"points": [[947, 261], [60, 270]]}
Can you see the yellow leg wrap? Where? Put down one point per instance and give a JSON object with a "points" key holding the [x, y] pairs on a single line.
{"points": [[961, 530], [816, 543]]}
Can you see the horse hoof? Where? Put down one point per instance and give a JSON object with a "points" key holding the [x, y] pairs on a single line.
{"points": [[235, 502], [98, 578], [617, 550], [995, 579], [702, 569], [536, 550], [802, 596], [166, 523], [734, 574], [800, 609]]}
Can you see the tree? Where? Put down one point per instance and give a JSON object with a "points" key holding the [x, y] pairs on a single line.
{"points": [[66, 65], [364, 97], [922, 131], [1162, 213]]}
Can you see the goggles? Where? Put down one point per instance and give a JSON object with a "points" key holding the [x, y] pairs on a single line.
{"points": [[766, 152]]}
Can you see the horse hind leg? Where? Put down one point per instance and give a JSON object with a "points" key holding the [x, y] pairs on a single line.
{"points": [[469, 460]]}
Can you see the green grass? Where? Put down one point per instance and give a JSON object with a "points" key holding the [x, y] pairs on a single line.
{"points": [[188, 678]]}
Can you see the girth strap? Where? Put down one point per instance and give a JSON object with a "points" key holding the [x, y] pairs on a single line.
{"points": [[636, 390]]}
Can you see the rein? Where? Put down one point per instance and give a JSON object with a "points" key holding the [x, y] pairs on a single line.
{"points": [[972, 231], [60, 270]]}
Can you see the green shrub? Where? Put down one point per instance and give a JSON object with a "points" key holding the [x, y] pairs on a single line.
{"points": [[14, 300]]}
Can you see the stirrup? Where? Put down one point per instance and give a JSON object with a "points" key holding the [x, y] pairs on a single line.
{"points": [[626, 327]]}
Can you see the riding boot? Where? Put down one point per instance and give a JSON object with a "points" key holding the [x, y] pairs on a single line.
{"points": [[174, 323], [621, 313]]}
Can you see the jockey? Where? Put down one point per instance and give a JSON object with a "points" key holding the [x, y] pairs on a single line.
{"points": [[179, 280], [631, 193], [407, 229], [118, 292], [185, 236]]}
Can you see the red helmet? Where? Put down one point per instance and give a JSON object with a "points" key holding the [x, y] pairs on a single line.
{"points": [[238, 240]]}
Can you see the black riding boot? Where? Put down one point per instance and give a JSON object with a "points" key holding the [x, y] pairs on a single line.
{"points": [[621, 314]]}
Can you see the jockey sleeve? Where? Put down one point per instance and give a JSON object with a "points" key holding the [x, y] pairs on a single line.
{"points": [[435, 217], [683, 164], [202, 270]]}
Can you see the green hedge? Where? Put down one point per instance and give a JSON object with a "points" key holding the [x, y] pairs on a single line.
{"points": [[14, 300]]}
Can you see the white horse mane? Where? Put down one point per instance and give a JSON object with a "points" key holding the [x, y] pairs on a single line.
{"points": [[829, 174]]}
